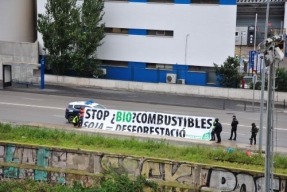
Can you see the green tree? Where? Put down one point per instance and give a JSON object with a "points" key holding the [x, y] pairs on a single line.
{"points": [[281, 79], [71, 34], [88, 37], [228, 73]]}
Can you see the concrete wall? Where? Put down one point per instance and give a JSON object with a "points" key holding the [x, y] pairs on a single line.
{"points": [[20, 55], [17, 20], [65, 165], [205, 91]]}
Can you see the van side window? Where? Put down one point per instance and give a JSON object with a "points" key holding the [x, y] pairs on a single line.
{"points": [[77, 106]]}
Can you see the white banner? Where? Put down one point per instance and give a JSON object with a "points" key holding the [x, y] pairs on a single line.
{"points": [[151, 123]]}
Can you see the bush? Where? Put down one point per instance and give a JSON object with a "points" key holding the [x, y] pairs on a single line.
{"points": [[228, 73], [281, 79], [113, 180]]}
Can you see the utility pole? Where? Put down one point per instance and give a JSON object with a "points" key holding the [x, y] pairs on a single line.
{"points": [[255, 35], [261, 101], [268, 182], [241, 35], [263, 83], [268, 151], [272, 54]]}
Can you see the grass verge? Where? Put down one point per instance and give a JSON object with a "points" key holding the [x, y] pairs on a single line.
{"points": [[236, 158]]}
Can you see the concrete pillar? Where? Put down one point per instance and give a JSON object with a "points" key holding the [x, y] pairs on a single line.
{"points": [[1, 73]]}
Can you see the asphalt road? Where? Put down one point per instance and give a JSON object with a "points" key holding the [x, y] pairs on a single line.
{"points": [[32, 105]]}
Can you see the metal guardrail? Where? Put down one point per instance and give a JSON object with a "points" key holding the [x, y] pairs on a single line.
{"points": [[259, 1]]}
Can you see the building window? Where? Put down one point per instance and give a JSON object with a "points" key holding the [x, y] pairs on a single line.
{"points": [[151, 66], [114, 63], [236, 34], [194, 68], [160, 33], [149, 32], [116, 30], [158, 66], [201, 69], [160, 1], [205, 1], [117, 0]]}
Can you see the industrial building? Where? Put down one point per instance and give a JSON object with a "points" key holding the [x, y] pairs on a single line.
{"points": [[157, 41]]}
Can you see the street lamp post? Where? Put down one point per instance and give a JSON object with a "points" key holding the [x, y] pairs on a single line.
{"points": [[272, 54], [263, 83], [268, 151], [255, 33], [268, 182], [262, 64], [241, 33]]}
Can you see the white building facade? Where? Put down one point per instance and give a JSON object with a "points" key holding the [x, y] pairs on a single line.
{"points": [[165, 41]]}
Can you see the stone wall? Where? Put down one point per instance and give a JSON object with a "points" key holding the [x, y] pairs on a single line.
{"points": [[66, 165]]}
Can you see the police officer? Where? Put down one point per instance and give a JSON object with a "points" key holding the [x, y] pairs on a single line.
{"points": [[234, 124], [75, 121], [254, 131], [217, 130]]}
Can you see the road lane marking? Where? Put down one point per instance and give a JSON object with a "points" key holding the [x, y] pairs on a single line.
{"points": [[249, 126], [36, 106], [228, 133], [32, 99]]}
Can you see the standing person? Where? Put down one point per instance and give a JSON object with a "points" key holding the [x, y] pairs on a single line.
{"points": [[75, 121], [217, 130], [212, 132], [81, 114], [234, 124], [254, 131]]}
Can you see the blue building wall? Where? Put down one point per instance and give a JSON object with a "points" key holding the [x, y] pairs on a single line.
{"points": [[118, 73], [196, 78], [182, 1], [137, 31], [221, 2], [137, 71], [227, 2]]}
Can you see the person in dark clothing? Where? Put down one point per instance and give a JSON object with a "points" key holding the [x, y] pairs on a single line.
{"points": [[212, 132], [75, 121], [254, 131], [81, 115], [217, 130], [234, 124]]}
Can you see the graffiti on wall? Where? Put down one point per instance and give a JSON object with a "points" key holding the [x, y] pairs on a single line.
{"points": [[158, 170]]}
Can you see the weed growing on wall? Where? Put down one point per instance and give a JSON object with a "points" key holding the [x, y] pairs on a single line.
{"points": [[117, 180], [113, 180]]}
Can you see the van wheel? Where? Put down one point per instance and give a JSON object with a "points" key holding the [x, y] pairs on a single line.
{"points": [[70, 118]]}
